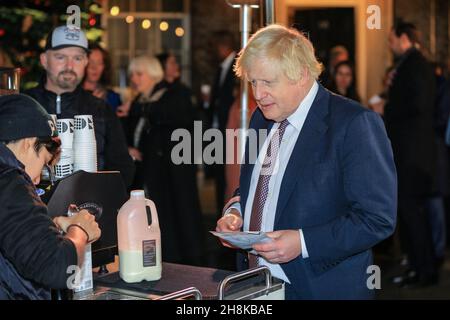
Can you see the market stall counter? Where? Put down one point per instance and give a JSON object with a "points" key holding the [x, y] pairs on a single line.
{"points": [[102, 194], [189, 282]]}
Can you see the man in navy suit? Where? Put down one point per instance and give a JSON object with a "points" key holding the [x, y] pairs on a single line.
{"points": [[325, 192]]}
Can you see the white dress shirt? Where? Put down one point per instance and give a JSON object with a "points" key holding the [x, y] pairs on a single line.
{"points": [[225, 66], [296, 121]]}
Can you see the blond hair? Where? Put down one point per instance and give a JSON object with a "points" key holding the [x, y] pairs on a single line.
{"points": [[149, 65], [286, 47]]}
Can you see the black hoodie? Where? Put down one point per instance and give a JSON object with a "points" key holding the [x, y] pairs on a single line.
{"points": [[34, 256], [112, 150]]}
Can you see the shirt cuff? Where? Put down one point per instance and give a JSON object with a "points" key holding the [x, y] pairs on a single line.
{"points": [[236, 206], [232, 201], [304, 249]]}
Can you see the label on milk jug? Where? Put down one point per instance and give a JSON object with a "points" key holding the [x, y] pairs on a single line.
{"points": [[149, 253]]}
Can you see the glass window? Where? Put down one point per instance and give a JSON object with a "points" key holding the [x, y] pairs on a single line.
{"points": [[170, 41], [118, 34], [173, 5], [165, 33], [148, 5], [120, 62], [146, 39]]}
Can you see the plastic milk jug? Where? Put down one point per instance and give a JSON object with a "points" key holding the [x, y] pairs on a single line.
{"points": [[139, 239]]}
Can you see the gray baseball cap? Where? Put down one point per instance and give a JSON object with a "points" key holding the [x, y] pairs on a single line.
{"points": [[64, 36]]}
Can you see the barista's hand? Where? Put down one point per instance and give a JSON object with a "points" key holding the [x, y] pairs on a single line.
{"points": [[285, 246], [83, 220], [230, 222]]}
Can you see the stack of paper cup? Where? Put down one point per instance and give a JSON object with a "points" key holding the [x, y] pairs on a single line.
{"points": [[64, 167], [63, 170], [65, 132], [84, 144]]}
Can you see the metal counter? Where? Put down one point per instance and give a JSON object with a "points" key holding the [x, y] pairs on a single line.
{"points": [[189, 282]]}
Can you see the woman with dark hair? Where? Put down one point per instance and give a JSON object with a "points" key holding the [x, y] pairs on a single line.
{"points": [[98, 76], [343, 81], [171, 68]]}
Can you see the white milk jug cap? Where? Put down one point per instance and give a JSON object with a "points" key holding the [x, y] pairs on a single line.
{"points": [[137, 194]]}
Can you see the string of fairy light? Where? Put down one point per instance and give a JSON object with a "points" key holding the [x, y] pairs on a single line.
{"points": [[147, 23]]}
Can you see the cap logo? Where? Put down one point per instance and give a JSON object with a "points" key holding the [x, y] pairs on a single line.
{"points": [[72, 34]]}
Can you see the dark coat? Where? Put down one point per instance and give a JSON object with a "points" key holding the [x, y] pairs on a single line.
{"points": [[222, 97], [34, 256], [409, 123], [173, 187], [112, 151]]}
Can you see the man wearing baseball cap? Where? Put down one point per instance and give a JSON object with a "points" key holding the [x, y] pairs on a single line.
{"points": [[60, 92], [34, 256]]}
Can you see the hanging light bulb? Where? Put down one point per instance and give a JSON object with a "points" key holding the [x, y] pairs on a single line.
{"points": [[163, 26], [115, 11], [179, 31], [146, 24]]}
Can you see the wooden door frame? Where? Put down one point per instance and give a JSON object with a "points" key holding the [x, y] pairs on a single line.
{"points": [[372, 54]]}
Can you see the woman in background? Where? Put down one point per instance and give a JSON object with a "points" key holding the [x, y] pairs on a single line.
{"points": [[98, 75], [163, 106], [145, 72], [343, 81], [178, 194]]}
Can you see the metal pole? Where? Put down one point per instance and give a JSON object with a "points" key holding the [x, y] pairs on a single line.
{"points": [[267, 13], [245, 10], [245, 26]]}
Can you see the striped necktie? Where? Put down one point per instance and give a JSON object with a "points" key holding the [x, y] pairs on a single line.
{"points": [[262, 187]]}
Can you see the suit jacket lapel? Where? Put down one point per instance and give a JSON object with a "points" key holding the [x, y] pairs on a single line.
{"points": [[308, 139]]}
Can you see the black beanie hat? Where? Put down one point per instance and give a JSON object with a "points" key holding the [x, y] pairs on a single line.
{"points": [[23, 117]]}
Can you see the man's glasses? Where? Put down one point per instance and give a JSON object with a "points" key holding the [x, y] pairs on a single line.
{"points": [[52, 145]]}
